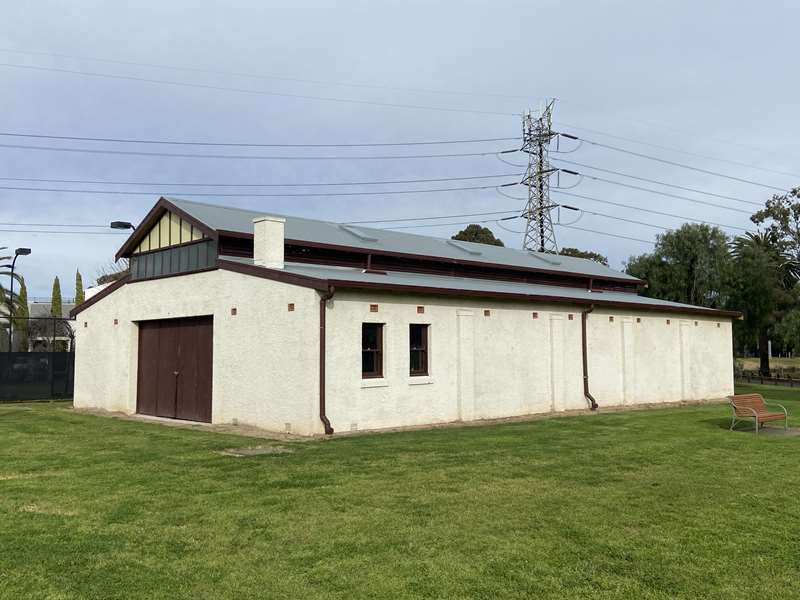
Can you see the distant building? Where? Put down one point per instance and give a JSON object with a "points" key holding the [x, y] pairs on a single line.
{"points": [[46, 334], [294, 324]]}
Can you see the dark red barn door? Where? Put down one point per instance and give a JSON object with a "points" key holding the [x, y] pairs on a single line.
{"points": [[175, 366]]}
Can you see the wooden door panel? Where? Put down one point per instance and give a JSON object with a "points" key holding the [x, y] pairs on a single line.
{"points": [[168, 345], [147, 388], [175, 368], [194, 365]]}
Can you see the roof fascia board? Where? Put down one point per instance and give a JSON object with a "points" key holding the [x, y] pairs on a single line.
{"points": [[100, 295], [273, 274], [152, 217]]}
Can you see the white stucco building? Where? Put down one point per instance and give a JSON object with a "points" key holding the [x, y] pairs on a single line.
{"points": [[311, 327]]}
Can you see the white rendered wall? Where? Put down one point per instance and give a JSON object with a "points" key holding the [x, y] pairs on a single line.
{"points": [[266, 359], [510, 363]]}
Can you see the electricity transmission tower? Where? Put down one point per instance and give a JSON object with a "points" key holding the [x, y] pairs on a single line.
{"points": [[536, 135]]}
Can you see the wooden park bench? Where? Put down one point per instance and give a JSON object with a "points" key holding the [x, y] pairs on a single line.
{"points": [[753, 406]]}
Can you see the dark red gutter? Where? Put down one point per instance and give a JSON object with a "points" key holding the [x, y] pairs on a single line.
{"points": [[323, 311], [585, 353]]}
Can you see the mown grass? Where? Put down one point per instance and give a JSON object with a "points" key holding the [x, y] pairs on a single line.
{"points": [[644, 504]]}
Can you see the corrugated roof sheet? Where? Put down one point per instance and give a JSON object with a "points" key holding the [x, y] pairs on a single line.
{"points": [[478, 286], [42, 309], [370, 238]]}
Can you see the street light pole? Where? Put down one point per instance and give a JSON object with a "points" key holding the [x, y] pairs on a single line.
{"points": [[17, 253]]}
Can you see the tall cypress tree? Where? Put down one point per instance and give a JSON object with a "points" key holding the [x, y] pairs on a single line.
{"points": [[21, 324], [55, 300], [79, 295]]}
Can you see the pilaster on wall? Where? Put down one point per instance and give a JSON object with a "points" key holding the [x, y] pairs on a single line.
{"points": [[466, 365], [557, 358], [687, 391], [628, 362], [133, 367]]}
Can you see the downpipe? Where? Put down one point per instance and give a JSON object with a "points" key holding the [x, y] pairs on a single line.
{"points": [[586, 392], [323, 302]]}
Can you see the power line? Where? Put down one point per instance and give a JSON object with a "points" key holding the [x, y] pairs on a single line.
{"points": [[623, 237], [251, 195], [268, 77], [664, 183], [677, 164], [255, 92], [245, 144], [52, 225], [300, 184], [422, 90], [672, 128], [238, 156], [649, 210], [484, 214], [61, 232], [439, 224], [679, 150], [669, 195]]}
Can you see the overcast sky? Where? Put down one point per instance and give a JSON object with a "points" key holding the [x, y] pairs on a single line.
{"points": [[711, 78]]}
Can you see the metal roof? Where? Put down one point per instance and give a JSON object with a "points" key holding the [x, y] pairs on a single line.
{"points": [[382, 240], [42, 309], [342, 276]]}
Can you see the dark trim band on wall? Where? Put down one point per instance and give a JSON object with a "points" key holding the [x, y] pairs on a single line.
{"points": [[181, 245], [168, 275]]}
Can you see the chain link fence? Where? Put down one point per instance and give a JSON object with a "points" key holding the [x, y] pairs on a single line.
{"points": [[37, 358]]}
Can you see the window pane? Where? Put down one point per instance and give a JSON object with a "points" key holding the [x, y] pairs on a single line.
{"points": [[371, 349], [368, 362], [369, 336], [418, 349], [415, 336]]}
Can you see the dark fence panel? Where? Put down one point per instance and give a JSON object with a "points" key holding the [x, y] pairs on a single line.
{"points": [[783, 381], [36, 375]]}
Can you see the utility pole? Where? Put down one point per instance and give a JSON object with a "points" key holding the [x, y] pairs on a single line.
{"points": [[536, 135]]}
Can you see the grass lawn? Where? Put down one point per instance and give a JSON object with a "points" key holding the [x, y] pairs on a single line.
{"points": [[644, 504]]}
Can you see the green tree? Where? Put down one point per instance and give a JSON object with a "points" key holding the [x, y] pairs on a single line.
{"points": [[575, 252], [761, 286], [781, 216], [788, 330], [21, 323], [480, 235], [79, 295], [691, 265], [55, 299]]}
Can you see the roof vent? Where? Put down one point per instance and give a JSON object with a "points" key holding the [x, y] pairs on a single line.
{"points": [[357, 234], [537, 255], [462, 247]]}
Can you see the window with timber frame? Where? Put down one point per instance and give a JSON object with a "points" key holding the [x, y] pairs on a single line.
{"points": [[418, 349], [371, 350]]}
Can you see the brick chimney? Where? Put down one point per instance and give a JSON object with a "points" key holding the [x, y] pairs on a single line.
{"points": [[268, 241]]}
